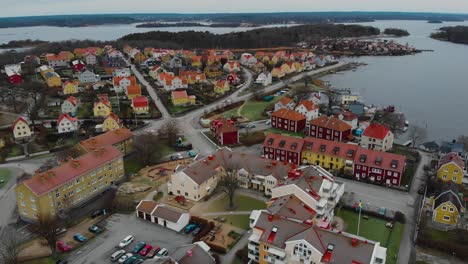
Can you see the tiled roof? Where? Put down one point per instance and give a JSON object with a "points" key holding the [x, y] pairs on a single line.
{"points": [[112, 115], [179, 94], [117, 80], [140, 101], [224, 125], [66, 116], [309, 105], [330, 148], [288, 114], [282, 142], [73, 100], [146, 206], [55, 57], [347, 115], [134, 89], [285, 101], [330, 123], [169, 79], [108, 138], [192, 254], [451, 157], [50, 180], [377, 131], [169, 214], [379, 159], [104, 101]]}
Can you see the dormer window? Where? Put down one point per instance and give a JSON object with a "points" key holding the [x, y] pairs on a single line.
{"points": [[378, 161], [294, 145], [336, 150], [309, 146], [350, 153], [323, 148], [363, 158], [282, 143], [394, 163], [270, 141]]}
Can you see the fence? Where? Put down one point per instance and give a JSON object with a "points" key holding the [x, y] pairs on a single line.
{"points": [[349, 202]]}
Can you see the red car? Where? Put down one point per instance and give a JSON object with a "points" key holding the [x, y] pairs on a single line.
{"points": [[62, 246], [145, 250]]}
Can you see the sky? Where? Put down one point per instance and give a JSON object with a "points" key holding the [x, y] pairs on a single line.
{"points": [[12, 8]]}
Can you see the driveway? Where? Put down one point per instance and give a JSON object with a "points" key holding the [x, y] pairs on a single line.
{"points": [[118, 226]]}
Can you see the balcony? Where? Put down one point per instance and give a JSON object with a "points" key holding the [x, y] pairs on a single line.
{"points": [[253, 247]]}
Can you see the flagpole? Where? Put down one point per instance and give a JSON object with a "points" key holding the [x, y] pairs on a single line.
{"points": [[359, 221]]}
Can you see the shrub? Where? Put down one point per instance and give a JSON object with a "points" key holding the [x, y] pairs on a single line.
{"points": [[216, 248], [158, 196], [399, 217], [242, 254], [217, 258]]}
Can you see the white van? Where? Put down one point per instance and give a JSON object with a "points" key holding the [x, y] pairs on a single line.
{"points": [[126, 241], [117, 255]]}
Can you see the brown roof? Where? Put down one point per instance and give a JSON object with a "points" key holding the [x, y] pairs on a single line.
{"points": [[282, 142], [309, 105], [169, 214], [285, 100], [451, 157], [108, 138], [146, 206], [50, 180], [331, 123], [288, 114]]}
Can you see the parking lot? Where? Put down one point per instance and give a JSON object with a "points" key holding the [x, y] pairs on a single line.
{"points": [[118, 227]]}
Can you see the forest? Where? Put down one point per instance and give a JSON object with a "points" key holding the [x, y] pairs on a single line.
{"points": [[396, 32], [457, 34], [190, 24]]}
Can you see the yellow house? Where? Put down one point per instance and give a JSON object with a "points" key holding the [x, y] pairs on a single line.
{"points": [[277, 73], [447, 205], [111, 122], [102, 108], [70, 184], [299, 66], [196, 61], [330, 155], [70, 87], [451, 168], [21, 129], [181, 98], [52, 79], [140, 57], [221, 86], [286, 68]]}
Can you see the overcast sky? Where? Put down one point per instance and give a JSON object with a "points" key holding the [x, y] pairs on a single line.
{"points": [[56, 7]]}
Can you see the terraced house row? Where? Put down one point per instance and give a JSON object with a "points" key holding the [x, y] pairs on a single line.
{"points": [[76, 180], [350, 159]]}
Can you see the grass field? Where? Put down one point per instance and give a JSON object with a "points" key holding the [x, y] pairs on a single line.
{"points": [[242, 203], [5, 176], [284, 132], [374, 229], [241, 221], [48, 260], [15, 151], [253, 109]]}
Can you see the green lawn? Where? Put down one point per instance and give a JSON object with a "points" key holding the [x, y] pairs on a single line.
{"points": [[132, 165], [48, 260], [15, 151], [374, 229], [4, 177], [243, 203], [180, 108], [241, 221], [253, 109], [85, 110], [284, 132]]}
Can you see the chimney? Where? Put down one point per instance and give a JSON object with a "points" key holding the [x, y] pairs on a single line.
{"points": [[354, 242], [189, 253]]}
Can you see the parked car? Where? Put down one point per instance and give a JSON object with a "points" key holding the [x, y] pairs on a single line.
{"points": [[146, 250], [189, 228], [116, 255], [268, 122], [241, 126], [95, 229], [177, 156], [123, 258], [62, 246], [250, 126], [162, 253], [138, 247], [79, 237], [197, 230], [126, 241], [60, 261], [153, 252], [131, 260], [97, 213], [138, 261], [60, 231]]}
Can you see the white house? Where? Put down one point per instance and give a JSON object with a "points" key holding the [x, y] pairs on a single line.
{"points": [[175, 82], [70, 105], [87, 77], [286, 103], [248, 59], [163, 215], [122, 72], [21, 129], [67, 124], [90, 59], [309, 109], [120, 84], [377, 137], [232, 66], [264, 78]]}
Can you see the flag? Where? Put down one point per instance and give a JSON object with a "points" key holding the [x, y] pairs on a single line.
{"points": [[358, 205]]}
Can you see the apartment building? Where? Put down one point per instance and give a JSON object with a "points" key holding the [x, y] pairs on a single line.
{"points": [[70, 184], [121, 138]]}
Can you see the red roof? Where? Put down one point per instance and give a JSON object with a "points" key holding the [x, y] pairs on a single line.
{"points": [[347, 115], [73, 100], [330, 123], [285, 100], [105, 101], [54, 57], [108, 138], [66, 116], [140, 101], [223, 125], [169, 79], [309, 105], [379, 159], [52, 179], [112, 115], [451, 157], [330, 148], [377, 131], [288, 114], [282, 142], [179, 94], [134, 89], [117, 80], [19, 119]]}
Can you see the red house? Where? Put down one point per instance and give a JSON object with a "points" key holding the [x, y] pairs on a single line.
{"points": [[283, 148], [289, 120], [379, 167], [225, 131], [330, 128], [13, 71], [78, 65]]}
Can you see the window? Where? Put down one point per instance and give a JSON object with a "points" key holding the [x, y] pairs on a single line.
{"points": [[444, 176], [455, 171], [57, 194], [78, 180], [444, 208], [454, 178], [446, 218], [451, 209]]}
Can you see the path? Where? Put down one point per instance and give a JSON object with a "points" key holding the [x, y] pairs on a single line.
{"points": [[229, 257], [228, 213]]}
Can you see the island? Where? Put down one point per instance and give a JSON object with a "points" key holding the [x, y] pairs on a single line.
{"points": [[455, 34], [396, 32], [194, 24], [22, 43], [435, 21]]}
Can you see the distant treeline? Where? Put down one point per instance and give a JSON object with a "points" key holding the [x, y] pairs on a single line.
{"points": [[252, 18], [456, 34], [22, 43], [396, 32], [190, 24], [258, 38]]}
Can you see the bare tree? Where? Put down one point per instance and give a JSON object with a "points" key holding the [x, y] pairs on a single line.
{"points": [[48, 227], [463, 140], [9, 247], [229, 184], [146, 145], [417, 134], [34, 89], [301, 92], [169, 130]]}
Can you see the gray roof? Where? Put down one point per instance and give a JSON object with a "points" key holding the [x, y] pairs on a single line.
{"points": [[447, 192], [291, 207], [169, 214], [199, 255]]}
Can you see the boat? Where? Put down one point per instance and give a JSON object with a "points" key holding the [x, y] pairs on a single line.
{"points": [[406, 123]]}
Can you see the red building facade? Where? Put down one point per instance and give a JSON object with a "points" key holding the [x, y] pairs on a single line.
{"points": [[329, 128], [283, 148], [225, 131], [288, 120]]}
